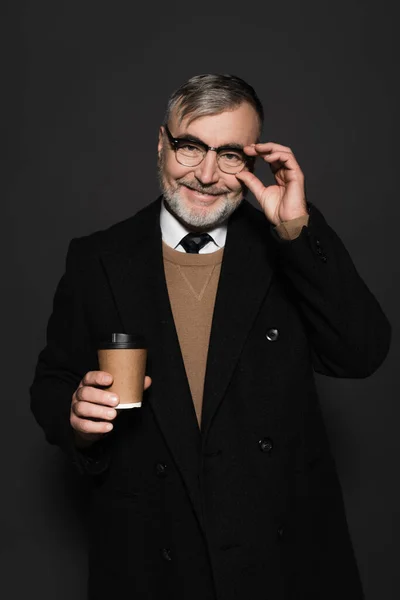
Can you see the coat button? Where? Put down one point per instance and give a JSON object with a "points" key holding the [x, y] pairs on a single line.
{"points": [[266, 444], [166, 554], [161, 470], [272, 335]]}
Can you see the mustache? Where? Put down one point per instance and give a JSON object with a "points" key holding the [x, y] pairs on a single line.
{"points": [[203, 190]]}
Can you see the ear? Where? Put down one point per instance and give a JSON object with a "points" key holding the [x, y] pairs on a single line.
{"points": [[160, 138]]}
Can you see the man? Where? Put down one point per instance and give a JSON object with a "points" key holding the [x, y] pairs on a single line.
{"points": [[222, 485]]}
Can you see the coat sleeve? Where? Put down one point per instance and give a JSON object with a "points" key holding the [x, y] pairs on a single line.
{"points": [[67, 356], [349, 333]]}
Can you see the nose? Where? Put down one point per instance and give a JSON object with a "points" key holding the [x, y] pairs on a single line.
{"points": [[207, 171]]}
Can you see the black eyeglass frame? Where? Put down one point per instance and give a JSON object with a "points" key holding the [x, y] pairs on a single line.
{"points": [[247, 160]]}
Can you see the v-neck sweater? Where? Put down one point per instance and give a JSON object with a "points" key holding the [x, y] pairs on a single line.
{"points": [[192, 282]]}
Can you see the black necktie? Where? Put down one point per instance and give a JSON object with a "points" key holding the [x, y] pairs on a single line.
{"points": [[192, 242]]}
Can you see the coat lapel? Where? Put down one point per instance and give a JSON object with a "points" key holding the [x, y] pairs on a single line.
{"points": [[244, 281], [136, 276]]}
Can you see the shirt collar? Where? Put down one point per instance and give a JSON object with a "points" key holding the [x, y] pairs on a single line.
{"points": [[173, 231]]}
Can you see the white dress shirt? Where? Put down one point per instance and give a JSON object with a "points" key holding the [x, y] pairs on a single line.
{"points": [[173, 231]]}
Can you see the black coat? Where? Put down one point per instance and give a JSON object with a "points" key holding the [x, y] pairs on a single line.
{"points": [[251, 507]]}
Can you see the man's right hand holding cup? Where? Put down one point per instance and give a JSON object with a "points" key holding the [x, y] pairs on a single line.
{"points": [[93, 408]]}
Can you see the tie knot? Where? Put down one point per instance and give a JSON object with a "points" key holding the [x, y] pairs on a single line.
{"points": [[192, 242]]}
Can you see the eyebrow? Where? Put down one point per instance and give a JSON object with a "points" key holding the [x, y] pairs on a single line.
{"points": [[193, 138]]}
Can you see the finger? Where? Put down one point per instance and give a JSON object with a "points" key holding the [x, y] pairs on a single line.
{"points": [[271, 146], [97, 378], [147, 382], [278, 155], [87, 393], [279, 159], [87, 426], [260, 148], [87, 410], [253, 183], [250, 150]]}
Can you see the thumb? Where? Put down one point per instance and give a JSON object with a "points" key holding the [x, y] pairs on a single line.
{"points": [[252, 182]]}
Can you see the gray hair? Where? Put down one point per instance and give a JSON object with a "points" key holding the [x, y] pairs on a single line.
{"points": [[211, 94]]}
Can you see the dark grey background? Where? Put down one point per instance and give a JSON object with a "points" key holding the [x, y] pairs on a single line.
{"points": [[85, 86]]}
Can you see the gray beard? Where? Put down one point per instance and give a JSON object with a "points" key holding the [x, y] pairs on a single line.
{"points": [[193, 219]]}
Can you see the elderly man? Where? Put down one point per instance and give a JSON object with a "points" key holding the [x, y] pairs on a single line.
{"points": [[222, 486]]}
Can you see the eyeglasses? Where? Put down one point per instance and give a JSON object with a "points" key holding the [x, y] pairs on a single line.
{"points": [[190, 152]]}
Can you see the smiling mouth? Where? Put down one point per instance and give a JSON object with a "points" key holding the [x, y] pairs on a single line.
{"points": [[203, 193]]}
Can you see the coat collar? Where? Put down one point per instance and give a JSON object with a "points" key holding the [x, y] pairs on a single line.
{"points": [[135, 270]]}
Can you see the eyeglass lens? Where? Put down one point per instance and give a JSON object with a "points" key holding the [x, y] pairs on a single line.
{"points": [[191, 155]]}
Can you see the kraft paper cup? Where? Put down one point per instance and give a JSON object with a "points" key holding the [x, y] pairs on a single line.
{"points": [[124, 356]]}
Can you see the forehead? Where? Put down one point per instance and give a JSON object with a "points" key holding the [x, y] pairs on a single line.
{"points": [[240, 125]]}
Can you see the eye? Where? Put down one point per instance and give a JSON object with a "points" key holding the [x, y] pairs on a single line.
{"points": [[188, 148], [232, 157]]}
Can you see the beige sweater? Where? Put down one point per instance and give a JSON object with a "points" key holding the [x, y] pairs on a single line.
{"points": [[192, 281]]}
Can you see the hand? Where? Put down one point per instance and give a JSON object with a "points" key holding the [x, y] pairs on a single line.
{"points": [[92, 409], [286, 200]]}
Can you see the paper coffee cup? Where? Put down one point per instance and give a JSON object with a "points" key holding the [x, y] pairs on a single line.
{"points": [[124, 356]]}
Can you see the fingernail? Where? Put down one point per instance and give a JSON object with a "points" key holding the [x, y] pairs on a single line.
{"points": [[109, 426], [107, 379], [110, 413], [113, 399]]}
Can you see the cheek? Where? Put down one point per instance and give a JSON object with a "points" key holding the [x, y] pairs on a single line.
{"points": [[233, 183], [173, 170]]}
